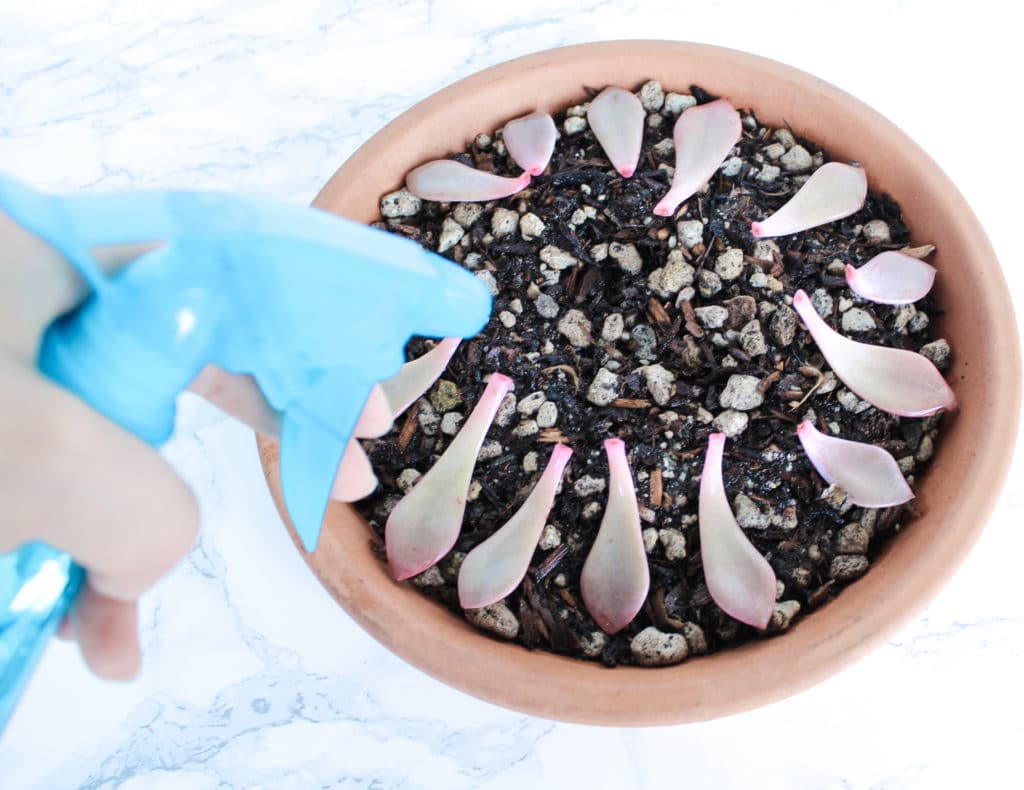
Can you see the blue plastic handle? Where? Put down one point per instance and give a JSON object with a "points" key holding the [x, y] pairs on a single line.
{"points": [[37, 585], [316, 308]]}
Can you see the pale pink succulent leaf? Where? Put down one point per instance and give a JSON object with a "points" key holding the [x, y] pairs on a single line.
{"points": [[425, 524], [617, 118], [416, 377], [892, 379], [496, 567], [530, 140], [355, 479], [833, 191], [869, 475], [891, 278], [376, 418], [738, 578], [703, 137], [615, 578], [447, 181]]}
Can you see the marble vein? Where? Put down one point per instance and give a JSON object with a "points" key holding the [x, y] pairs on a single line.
{"points": [[253, 677]]}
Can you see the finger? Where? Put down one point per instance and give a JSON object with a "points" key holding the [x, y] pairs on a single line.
{"points": [[64, 630], [37, 284], [106, 630], [112, 257], [240, 396], [88, 487]]}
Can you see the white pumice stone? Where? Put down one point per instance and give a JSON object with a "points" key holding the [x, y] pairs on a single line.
{"points": [[557, 258], [451, 234], [547, 307], [451, 422], [466, 213], [401, 203], [496, 618], [797, 160], [690, 232], [504, 222], [651, 96], [574, 125], [612, 327], [531, 226], [877, 230], [604, 388], [741, 393], [857, 320], [576, 328], [627, 256], [675, 103], [530, 403], [547, 415]]}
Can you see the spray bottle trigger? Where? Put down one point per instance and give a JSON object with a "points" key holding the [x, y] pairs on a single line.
{"points": [[315, 431]]}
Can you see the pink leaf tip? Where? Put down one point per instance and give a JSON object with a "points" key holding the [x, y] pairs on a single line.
{"points": [[869, 475], [891, 278], [446, 180], [615, 578], [703, 136], [738, 578], [530, 140], [832, 192], [617, 119], [425, 524], [496, 567], [355, 479], [892, 379]]}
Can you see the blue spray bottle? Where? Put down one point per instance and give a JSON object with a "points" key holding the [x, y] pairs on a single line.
{"points": [[315, 307]]}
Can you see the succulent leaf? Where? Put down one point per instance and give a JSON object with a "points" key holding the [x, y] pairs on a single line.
{"points": [[615, 578], [738, 578], [833, 191], [617, 118], [416, 377], [496, 567], [869, 475], [530, 140], [703, 137], [447, 181], [892, 379], [424, 525], [891, 278], [355, 479]]}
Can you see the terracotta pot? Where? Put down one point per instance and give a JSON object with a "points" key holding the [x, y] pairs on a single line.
{"points": [[955, 497]]}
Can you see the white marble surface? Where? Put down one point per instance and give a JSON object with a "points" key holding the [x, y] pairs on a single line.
{"points": [[253, 677]]}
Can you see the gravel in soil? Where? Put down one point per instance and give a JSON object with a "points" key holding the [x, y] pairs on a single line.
{"points": [[615, 322]]}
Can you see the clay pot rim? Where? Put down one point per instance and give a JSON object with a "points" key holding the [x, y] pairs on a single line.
{"points": [[904, 580]]}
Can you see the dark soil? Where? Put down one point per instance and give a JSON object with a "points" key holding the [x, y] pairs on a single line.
{"points": [[816, 544]]}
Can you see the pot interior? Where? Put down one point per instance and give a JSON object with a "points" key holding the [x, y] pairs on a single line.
{"points": [[954, 498]]}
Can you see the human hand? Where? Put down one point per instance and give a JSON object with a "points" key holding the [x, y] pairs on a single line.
{"points": [[72, 478]]}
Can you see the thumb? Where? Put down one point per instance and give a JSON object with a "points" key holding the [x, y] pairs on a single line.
{"points": [[77, 481], [107, 632]]}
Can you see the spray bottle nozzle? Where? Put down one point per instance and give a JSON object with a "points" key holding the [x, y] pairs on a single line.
{"points": [[315, 307]]}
